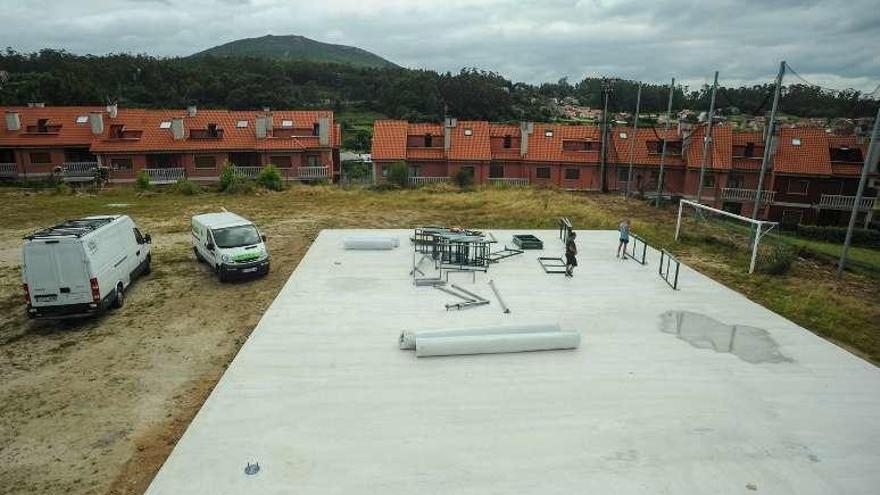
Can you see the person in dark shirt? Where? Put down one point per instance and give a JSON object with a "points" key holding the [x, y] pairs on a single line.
{"points": [[571, 252]]}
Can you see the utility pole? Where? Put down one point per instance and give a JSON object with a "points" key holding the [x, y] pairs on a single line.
{"points": [[707, 139], [768, 140], [869, 161], [663, 151], [632, 143], [606, 89]]}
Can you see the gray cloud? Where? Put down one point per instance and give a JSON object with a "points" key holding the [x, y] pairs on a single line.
{"points": [[830, 42]]}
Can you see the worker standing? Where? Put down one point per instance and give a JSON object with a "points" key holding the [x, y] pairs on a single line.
{"points": [[571, 252], [623, 229]]}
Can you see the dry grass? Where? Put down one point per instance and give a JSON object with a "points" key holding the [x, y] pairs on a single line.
{"points": [[95, 407]]}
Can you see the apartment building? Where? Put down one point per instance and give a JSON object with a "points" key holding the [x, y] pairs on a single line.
{"points": [[812, 177], [72, 142]]}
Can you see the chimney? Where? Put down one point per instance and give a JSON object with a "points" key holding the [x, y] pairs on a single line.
{"points": [[13, 121], [113, 110], [260, 127], [96, 119], [448, 125], [270, 125], [177, 129], [525, 128], [324, 131], [191, 111]]}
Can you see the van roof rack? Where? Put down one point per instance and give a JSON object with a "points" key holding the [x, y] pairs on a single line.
{"points": [[71, 227]]}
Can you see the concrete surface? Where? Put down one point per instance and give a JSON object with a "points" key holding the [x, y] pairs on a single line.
{"points": [[663, 396]]}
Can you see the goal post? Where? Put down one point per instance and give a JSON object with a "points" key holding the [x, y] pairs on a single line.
{"points": [[758, 228]]}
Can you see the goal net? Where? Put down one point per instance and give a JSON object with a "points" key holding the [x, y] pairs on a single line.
{"points": [[740, 237]]}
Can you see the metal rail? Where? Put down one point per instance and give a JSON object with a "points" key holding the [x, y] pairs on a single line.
{"points": [[633, 252], [665, 270]]}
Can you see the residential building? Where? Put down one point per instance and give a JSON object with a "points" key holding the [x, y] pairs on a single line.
{"points": [[71, 142], [811, 177]]}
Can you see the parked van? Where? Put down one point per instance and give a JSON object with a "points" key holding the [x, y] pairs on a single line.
{"points": [[80, 267], [231, 244]]}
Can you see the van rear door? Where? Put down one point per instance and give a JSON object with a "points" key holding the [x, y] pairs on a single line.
{"points": [[55, 271]]}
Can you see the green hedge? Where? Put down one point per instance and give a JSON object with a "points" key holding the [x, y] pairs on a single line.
{"points": [[861, 237]]}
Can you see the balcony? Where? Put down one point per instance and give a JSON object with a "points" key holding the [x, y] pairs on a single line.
{"points": [[424, 181], [8, 170], [165, 175], [508, 182], [78, 171], [738, 194], [248, 172], [840, 202], [313, 173]]}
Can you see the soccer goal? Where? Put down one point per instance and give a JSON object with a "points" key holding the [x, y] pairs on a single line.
{"points": [[715, 225]]}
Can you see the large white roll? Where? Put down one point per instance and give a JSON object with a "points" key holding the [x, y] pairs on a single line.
{"points": [[370, 242], [498, 343], [408, 339]]}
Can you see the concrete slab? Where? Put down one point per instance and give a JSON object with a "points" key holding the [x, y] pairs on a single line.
{"points": [[663, 396]]}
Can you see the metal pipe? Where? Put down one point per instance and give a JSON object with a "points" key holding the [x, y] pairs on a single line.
{"points": [[504, 307], [663, 152], [707, 139], [632, 146], [768, 141]]}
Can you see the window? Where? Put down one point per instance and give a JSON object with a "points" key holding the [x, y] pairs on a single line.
{"points": [[548, 132], [795, 141], [429, 140], [709, 180], [287, 123], [508, 141], [622, 135], [798, 186], [542, 173], [572, 174], [120, 163], [735, 181], [206, 161], [415, 171], [281, 161], [496, 171], [165, 124], [313, 161], [41, 157], [844, 154], [385, 169], [241, 124], [82, 119], [468, 170], [468, 131], [792, 218], [137, 236], [622, 174]]}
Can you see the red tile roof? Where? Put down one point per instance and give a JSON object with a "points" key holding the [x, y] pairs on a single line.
{"points": [[743, 139], [810, 157], [70, 133], [153, 138], [720, 150], [389, 140], [470, 147], [641, 153]]}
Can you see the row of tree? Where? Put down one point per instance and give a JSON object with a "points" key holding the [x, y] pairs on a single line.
{"points": [[60, 78]]}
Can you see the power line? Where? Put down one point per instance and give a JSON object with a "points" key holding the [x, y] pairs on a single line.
{"points": [[826, 88]]}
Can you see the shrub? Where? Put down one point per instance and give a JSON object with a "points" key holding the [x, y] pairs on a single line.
{"points": [[142, 181], [270, 178], [62, 189], [861, 237], [463, 178], [398, 174], [187, 187], [779, 260], [239, 185], [227, 176]]}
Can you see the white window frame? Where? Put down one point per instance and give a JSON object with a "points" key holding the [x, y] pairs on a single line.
{"points": [[791, 181], [165, 124], [241, 124]]}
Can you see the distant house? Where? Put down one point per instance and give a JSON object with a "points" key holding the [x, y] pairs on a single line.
{"points": [[71, 142]]}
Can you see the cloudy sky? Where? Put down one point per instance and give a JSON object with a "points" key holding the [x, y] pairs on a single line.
{"points": [[829, 42]]}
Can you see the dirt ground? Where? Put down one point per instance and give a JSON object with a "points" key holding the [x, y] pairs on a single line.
{"points": [[95, 406]]}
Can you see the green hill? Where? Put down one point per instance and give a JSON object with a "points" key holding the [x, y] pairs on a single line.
{"points": [[294, 47]]}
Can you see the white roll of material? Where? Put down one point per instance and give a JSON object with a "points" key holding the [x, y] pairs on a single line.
{"points": [[408, 339], [497, 343], [370, 243]]}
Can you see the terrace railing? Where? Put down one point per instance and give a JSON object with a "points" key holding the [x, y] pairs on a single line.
{"points": [[8, 170], [423, 181], [508, 181], [78, 171], [248, 172], [311, 173], [841, 202], [739, 194], [165, 175]]}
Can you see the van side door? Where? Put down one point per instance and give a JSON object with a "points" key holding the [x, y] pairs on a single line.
{"points": [[142, 249], [210, 254]]}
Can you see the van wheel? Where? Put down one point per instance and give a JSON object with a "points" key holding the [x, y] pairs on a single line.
{"points": [[120, 297], [147, 267], [198, 256], [221, 274]]}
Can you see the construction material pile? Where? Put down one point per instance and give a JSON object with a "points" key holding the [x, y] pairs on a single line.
{"points": [[489, 340]]}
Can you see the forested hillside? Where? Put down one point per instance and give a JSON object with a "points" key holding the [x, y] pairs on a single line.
{"points": [[60, 78]]}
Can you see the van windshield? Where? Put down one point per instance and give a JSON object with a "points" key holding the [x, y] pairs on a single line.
{"points": [[230, 237]]}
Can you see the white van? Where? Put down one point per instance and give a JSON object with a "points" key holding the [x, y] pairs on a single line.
{"points": [[82, 266], [231, 244]]}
